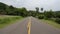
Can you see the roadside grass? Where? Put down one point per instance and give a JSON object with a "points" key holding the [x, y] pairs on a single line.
{"points": [[51, 22], [7, 20]]}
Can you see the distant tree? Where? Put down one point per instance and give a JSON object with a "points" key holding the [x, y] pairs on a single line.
{"points": [[11, 7], [2, 8], [37, 9], [41, 9]]}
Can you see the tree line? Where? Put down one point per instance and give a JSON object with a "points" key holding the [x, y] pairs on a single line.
{"points": [[10, 10]]}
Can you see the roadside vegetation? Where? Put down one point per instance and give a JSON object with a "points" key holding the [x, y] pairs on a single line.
{"points": [[23, 12], [51, 17], [50, 22], [6, 20]]}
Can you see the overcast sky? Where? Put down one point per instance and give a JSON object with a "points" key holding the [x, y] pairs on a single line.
{"points": [[31, 4]]}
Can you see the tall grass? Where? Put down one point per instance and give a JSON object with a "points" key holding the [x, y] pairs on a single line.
{"points": [[51, 22], [7, 20]]}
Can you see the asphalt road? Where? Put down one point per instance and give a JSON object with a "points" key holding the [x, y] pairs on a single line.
{"points": [[38, 27], [30, 25]]}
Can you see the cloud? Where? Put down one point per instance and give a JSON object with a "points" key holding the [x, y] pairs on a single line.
{"points": [[31, 4]]}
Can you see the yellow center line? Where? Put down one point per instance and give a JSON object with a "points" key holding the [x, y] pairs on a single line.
{"points": [[29, 26]]}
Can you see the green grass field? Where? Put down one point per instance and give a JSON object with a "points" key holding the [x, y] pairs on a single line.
{"points": [[51, 23], [7, 20]]}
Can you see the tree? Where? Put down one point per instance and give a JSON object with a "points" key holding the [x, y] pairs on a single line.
{"points": [[48, 14], [37, 9], [57, 14], [2, 8], [41, 9]]}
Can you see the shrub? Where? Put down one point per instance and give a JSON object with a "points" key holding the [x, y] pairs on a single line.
{"points": [[41, 17]]}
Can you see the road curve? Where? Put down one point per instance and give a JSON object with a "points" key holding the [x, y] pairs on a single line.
{"points": [[30, 25]]}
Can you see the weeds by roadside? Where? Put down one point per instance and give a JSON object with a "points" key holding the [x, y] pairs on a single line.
{"points": [[8, 20]]}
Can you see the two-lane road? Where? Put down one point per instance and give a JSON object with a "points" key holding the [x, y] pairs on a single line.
{"points": [[30, 25]]}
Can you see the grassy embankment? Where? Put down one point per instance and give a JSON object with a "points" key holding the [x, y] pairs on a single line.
{"points": [[7, 20], [51, 22]]}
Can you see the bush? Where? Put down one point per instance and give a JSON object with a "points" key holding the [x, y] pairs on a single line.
{"points": [[41, 17], [57, 20], [45, 18]]}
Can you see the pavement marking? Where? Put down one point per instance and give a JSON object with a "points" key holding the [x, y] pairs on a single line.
{"points": [[29, 26]]}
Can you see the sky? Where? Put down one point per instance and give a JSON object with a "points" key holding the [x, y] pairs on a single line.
{"points": [[32, 4]]}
